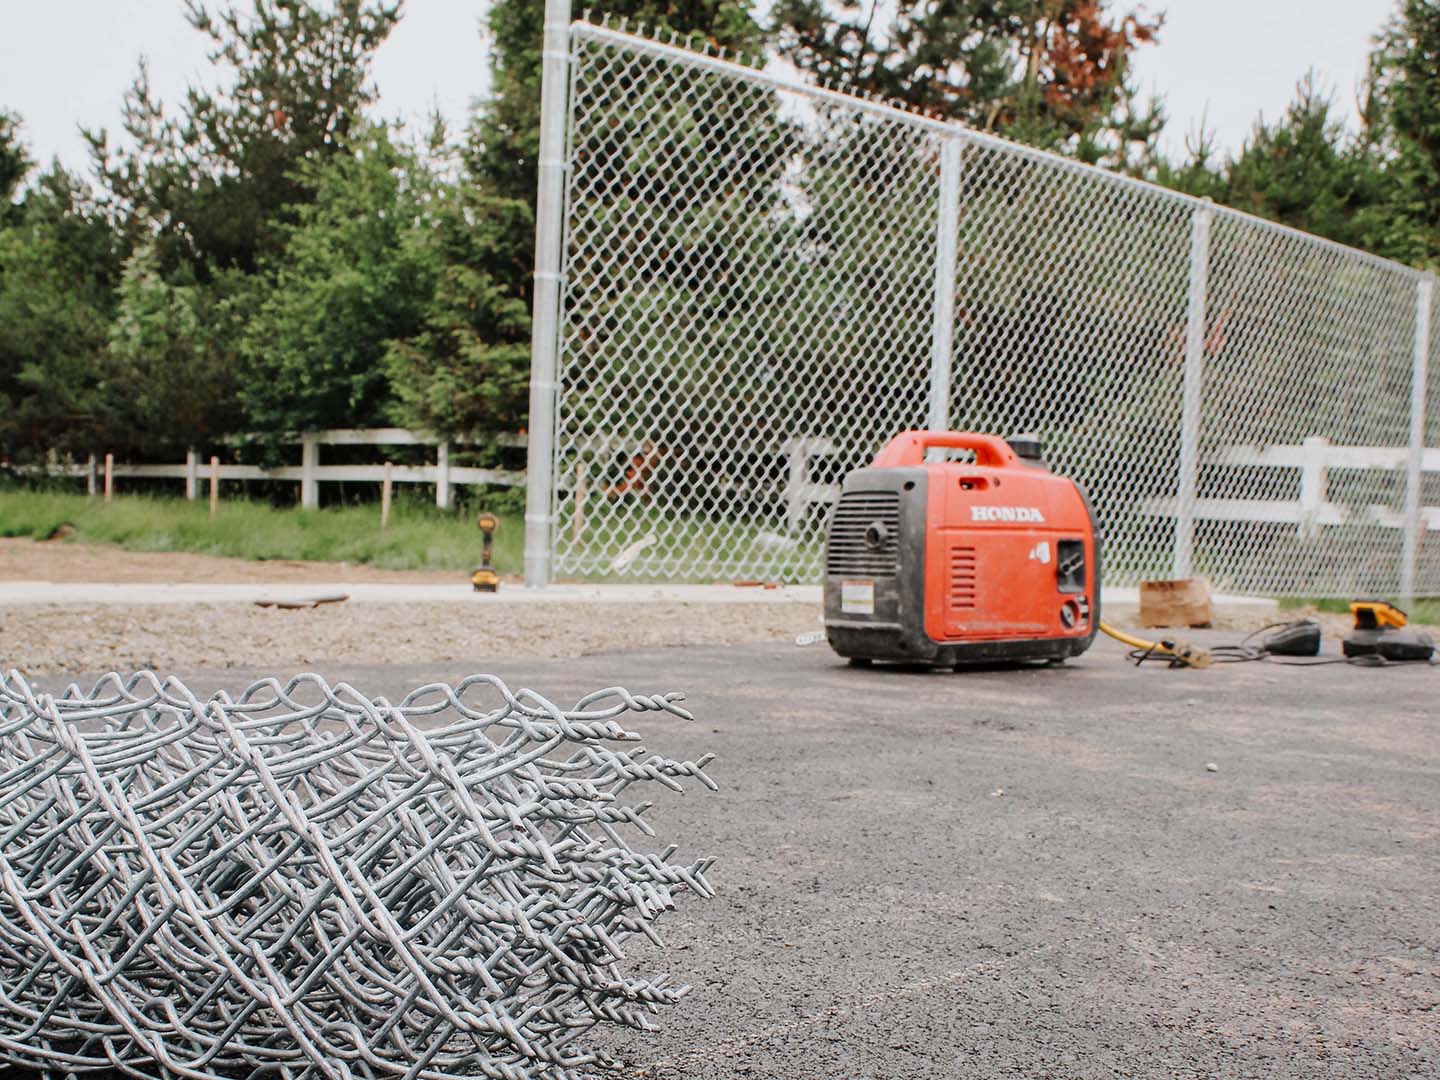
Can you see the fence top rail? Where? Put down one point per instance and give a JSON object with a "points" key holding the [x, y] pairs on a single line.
{"points": [[585, 30]]}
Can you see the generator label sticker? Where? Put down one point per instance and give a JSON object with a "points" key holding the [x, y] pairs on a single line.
{"points": [[857, 597]]}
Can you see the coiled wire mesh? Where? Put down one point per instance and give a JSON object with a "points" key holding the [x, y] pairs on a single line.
{"points": [[304, 880]]}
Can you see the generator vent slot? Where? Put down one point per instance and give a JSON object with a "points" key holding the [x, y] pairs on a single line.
{"points": [[962, 577], [857, 550], [1070, 566]]}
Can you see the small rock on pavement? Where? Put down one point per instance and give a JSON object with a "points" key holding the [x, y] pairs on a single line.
{"points": [[1210, 766]]}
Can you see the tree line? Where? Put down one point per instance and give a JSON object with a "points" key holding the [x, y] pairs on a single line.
{"points": [[269, 256]]}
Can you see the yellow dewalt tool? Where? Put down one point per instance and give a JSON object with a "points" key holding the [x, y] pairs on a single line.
{"points": [[1377, 615], [484, 578], [1381, 634]]}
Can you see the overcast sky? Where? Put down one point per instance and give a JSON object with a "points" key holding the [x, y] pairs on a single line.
{"points": [[65, 63]]}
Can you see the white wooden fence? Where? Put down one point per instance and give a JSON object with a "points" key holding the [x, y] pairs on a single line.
{"points": [[311, 473], [1314, 457]]}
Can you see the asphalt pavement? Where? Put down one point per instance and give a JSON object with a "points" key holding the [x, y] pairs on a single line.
{"points": [[1085, 871]]}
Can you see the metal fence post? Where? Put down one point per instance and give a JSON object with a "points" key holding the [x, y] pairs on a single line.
{"points": [[1191, 393], [1419, 387], [942, 335], [545, 327]]}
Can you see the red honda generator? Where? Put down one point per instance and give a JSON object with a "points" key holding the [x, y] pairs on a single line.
{"points": [[957, 562]]}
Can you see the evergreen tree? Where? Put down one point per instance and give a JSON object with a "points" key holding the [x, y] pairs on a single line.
{"points": [[1406, 81], [220, 181], [1051, 73], [504, 140], [1305, 171], [59, 263], [466, 370], [168, 378], [15, 164]]}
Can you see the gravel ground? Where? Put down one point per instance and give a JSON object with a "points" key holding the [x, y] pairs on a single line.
{"points": [[182, 637], [56, 639], [27, 560], [1033, 873], [168, 637]]}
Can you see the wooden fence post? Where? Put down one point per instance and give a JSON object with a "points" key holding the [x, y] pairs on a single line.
{"points": [[214, 485], [385, 498], [442, 476], [577, 522], [90, 477], [309, 459], [109, 476], [192, 478], [1314, 485]]}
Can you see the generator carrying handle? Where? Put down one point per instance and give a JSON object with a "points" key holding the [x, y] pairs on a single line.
{"points": [[908, 448]]}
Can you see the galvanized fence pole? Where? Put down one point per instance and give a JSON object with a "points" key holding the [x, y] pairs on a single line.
{"points": [[1419, 387], [1191, 393], [942, 335], [545, 329]]}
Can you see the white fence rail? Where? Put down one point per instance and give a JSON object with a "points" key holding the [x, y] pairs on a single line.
{"points": [[311, 473], [1315, 458]]}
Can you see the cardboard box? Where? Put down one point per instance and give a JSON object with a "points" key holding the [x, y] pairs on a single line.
{"points": [[1176, 603]]}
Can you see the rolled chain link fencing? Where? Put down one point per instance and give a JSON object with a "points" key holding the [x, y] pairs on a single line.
{"points": [[764, 281], [306, 882]]}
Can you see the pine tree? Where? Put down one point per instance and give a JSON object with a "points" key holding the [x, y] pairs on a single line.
{"points": [[1407, 109], [220, 180], [504, 139], [15, 164], [169, 382], [1052, 73], [1305, 171], [465, 370], [59, 263]]}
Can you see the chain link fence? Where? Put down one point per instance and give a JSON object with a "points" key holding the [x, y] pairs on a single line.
{"points": [[762, 282]]}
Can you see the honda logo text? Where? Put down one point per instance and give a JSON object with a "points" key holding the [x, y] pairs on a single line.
{"points": [[1028, 514]]}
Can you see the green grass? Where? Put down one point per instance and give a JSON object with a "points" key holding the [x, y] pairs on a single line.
{"points": [[1423, 610], [420, 537]]}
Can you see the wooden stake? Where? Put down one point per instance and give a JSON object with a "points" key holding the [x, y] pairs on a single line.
{"points": [[214, 485], [385, 498], [90, 476], [577, 523], [109, 476]]}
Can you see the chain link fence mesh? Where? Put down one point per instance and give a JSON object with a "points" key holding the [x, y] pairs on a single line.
{"points": [[303, 881], [753, 269]]}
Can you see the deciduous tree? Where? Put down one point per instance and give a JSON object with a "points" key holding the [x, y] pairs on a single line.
{"points": [[346, 283]]}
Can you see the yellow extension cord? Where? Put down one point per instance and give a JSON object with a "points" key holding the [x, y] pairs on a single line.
{"points": [[1181, 653]]}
